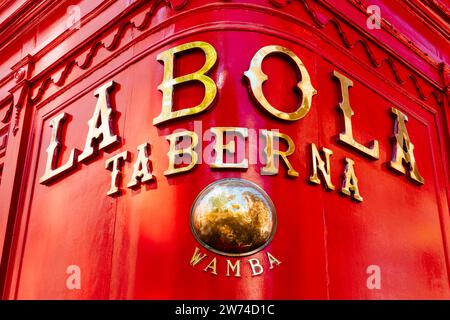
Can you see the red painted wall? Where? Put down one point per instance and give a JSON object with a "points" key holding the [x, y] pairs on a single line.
{"points": [[138, 245]]}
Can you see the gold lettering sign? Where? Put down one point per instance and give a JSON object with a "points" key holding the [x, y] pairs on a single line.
{"points": [[257, 77], [185, 146], [169, 82], [53, 150], [403, 149], [255, 267], [346, 137]]}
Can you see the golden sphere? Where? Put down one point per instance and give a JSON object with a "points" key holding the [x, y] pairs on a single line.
{"points": [[233, 217]]}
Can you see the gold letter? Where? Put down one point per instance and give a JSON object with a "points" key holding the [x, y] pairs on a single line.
{"points": [[197, 257], [114, 164], [219, 147], [271, 152], [403, 149], [350, 183], [256, 266], [257, 77], [100, 125], [236, 268], [141, 172], [272, 260], [212, 265], [173, 151], [346, 137], [53, 150], [166, 87], [324, 167]]}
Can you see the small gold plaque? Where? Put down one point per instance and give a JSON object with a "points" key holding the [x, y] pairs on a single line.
{"points": [[233, 217]]}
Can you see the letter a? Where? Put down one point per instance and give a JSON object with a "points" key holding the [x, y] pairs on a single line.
{"points": [[403, 149], [100, 125]]}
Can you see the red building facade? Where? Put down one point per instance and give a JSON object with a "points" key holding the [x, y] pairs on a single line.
{"points": [[334, 112]]}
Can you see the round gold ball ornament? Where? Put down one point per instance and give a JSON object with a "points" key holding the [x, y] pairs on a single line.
{"points": [[233, 217]]}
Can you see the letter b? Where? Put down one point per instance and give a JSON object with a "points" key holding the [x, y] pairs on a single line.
{"points": [[169, 82], [256, 266]]}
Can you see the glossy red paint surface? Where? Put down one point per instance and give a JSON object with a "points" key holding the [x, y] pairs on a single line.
{"points": [[138, 245]]}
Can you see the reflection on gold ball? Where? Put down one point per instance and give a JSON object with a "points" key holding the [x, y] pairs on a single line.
{"points": [[233, 217]]}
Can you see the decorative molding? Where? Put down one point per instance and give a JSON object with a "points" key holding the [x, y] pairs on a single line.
{"points": [[6, 108], [324, 21], [5, 4], [19, 104], [362, 5], [3, 141], [24, 19], [177, 4], [445, 75], [83, 59], [427, 9], [21, 91], [279, 3]]}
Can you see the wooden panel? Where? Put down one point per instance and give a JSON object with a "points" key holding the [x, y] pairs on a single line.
{"points": [[139, 244]]}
